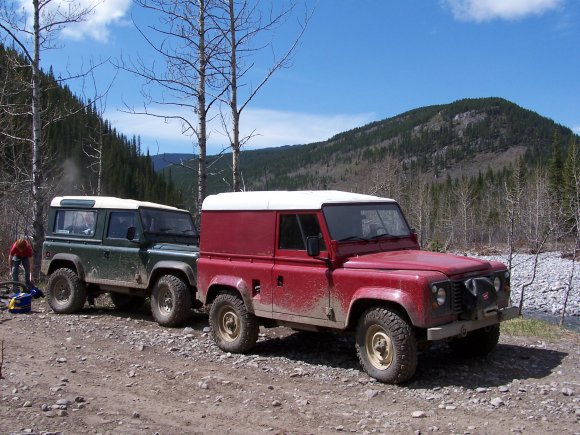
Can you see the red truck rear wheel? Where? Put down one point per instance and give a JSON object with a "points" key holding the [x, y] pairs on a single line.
{"points": [[234, 329], [386, 346]]}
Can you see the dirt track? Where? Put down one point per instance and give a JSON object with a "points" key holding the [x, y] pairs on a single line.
{"points": [[120, 373]]}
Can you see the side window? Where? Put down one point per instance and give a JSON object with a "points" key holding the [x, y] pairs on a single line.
{"points": [[119, 223], [75, 222], [296, 228]]}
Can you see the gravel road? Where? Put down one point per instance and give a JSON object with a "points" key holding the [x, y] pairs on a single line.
{"points": [[109, 372]]}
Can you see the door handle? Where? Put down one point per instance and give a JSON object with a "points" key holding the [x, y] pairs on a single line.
{"points": [[106, 254], [280, 281]]}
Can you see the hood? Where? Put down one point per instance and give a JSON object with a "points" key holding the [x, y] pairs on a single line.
{"points": [[448, 264]]}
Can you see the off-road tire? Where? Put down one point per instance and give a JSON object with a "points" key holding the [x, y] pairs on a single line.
{"points": [[234, 329], [170, 301], [477, 343], [66, 293], [125, 302], [386, 346]]}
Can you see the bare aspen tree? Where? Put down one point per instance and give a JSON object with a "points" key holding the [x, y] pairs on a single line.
{"points": [[572, 195], [93, 145], [514, 189], [49, 17], [464, 197], [242, 23], [189, 44], [544, 227], [538, 247]]}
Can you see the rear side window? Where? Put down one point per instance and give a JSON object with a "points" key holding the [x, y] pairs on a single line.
{"points": [[296, 228], [75, 222], [119, 223]]}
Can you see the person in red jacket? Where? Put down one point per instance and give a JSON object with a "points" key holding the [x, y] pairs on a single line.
{"points": [[21, 254]]}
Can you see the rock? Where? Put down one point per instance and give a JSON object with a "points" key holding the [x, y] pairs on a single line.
{"points": [[135, 414], [27, 404], [371, 393], [203, 385], [206, 329], [188, 331], [44, 407], [418, 414], [503, 389], [79, 399], [567, 392], [497, 402], [63, 402], [276, 403], [61, 360], [481, 390]]}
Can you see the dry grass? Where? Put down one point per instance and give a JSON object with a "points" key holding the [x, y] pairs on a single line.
{"points": [[537, 329]]}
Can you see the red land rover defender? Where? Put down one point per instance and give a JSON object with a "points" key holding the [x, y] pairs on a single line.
{"points": [[329, 260]]}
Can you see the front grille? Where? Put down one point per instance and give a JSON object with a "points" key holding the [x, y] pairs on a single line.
{"points": [[456, 306]]}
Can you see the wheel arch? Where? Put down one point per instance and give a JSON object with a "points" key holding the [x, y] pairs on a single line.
{"points": [[232, 284], [69, 261], [366, 298], [182, 270]]}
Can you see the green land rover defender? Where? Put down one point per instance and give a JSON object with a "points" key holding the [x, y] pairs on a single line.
{"points": [[129, 249]]}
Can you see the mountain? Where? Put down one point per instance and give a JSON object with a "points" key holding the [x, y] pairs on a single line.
{"points": [[161, 161], [462, 138]]}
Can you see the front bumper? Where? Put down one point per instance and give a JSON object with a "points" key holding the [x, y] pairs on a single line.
{"points": [[462, 327]]}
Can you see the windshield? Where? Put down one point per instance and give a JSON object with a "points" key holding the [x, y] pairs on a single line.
{"points": [[365, 221], [170, 222]]}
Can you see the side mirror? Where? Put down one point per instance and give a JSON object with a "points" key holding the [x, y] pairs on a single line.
{"points": [[131, 233], [313, 246]]}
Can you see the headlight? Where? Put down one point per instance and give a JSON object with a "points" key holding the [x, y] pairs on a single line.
{"points": [[441, 296], [497, 283]]}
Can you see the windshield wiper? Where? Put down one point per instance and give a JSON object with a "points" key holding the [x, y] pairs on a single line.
{"points": [[353, 238], [378, 236]]}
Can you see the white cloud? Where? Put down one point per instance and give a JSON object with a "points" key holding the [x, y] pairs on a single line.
{"points": [[97, 24], [485, 10], [271, 128]]}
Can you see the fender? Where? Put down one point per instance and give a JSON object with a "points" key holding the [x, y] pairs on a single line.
{"points": [[175, 265], [68, 258], [233, 282], [393, 295]]}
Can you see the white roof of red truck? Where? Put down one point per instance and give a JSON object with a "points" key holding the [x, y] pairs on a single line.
{"points": [[104, 202], [285, 200]]}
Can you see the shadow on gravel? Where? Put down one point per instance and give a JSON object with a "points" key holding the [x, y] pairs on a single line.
{"points": [[438, 367], [197, 320]]}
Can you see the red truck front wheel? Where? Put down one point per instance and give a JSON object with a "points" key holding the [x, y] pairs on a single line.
{"points": [[386, 346]]}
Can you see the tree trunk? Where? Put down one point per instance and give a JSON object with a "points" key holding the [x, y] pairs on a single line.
{"points": [[235, 136], [202, 114], [37, 194]]}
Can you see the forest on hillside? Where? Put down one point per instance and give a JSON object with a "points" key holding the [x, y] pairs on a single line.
{"points": [[81, 152]]}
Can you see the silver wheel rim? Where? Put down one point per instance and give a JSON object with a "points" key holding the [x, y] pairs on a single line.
{"points": [[62, 292], [165, 301], [379, 347], [228, 324]]}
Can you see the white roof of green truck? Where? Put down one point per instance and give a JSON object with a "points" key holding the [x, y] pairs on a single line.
{"points": [[105, 202], [285, 200]]}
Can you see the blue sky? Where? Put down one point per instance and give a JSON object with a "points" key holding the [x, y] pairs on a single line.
{"points": [[361, 61]]}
